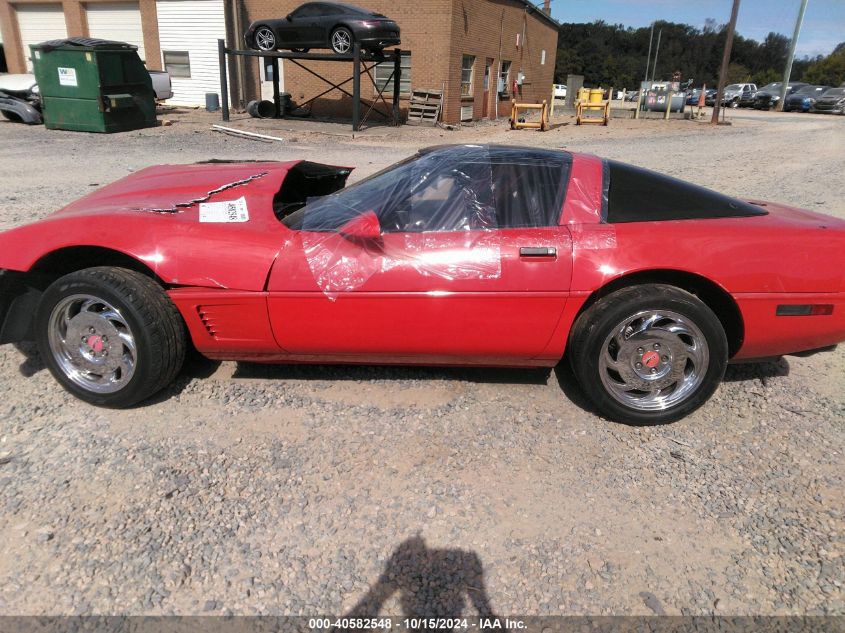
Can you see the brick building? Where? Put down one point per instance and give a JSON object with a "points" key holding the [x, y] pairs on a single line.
{"points": [[477, 51]]}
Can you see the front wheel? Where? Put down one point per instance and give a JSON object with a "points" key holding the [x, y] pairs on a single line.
{"points": [[110, 336], [265, 39], [648, 354], [342, 40]]}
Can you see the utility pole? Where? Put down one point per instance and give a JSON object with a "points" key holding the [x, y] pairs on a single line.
{"points": [[648, 57], [726, 58], [791, 55], [656, 51]]}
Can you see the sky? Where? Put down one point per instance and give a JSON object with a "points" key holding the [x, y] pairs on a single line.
{"points": [[822, 30]]}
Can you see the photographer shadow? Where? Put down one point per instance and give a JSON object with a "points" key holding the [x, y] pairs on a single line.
{"points": [[430, 583]]}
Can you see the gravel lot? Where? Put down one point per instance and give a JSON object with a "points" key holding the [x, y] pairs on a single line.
{"points": [[328, 490]]}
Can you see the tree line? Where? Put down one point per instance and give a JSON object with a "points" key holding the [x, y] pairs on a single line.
{"points": [[615, 55]]}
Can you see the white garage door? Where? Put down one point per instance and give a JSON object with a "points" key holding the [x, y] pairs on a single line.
{"points": [[188, 31], [39, 23], [119, 21]]}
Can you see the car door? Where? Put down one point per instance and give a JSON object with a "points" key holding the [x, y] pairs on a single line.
{"points": [[471, 265], [308, 25], [288, 29]]}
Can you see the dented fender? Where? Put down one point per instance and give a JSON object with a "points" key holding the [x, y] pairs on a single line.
{"points": [[153, 216]]}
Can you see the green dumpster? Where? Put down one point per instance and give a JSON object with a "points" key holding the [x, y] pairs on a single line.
{"points": [[93, 85]]}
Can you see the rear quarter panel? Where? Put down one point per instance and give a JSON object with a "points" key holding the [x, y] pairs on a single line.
{"points": [[789, 256]]}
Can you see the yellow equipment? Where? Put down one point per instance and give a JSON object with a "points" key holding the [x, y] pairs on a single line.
{"points": [[542, 124]]}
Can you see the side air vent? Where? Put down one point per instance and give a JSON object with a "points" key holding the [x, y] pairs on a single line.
{"points": [[206, 314]]}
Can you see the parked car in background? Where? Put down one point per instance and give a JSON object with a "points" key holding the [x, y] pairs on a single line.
{"points": [[20, 100], [746, 99], [161, 84], [804, 98], [734, 92], [831, 102], [560, 91], [693, 96], [324, 25], [769, 95]]}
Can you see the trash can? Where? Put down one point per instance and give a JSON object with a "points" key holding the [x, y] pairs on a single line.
{"points": [[93, 85]]}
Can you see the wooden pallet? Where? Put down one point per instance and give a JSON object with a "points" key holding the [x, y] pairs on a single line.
{"points": [[424, 108]]}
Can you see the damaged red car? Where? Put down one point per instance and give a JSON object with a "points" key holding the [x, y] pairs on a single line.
{"points": [[460, 255]]}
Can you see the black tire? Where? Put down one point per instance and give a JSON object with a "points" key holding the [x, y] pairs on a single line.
{"points": [[146, 315], [597, 373], [339, 33], [267, 40]]}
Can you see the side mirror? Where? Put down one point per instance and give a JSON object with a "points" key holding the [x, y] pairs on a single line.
{"points": [[363, 227], [288, 17]]}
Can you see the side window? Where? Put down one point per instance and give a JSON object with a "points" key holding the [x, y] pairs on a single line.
{"points": [[177, 63], [307, 11], [639, 195], [529, 188]]}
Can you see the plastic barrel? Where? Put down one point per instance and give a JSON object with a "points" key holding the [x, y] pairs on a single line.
{"points": [[261, 109], [583, 94], [212, 102], [596, 95]]}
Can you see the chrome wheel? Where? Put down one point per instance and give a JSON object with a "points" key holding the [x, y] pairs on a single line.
{"points": [[653, 359], [341, 41], [92, 343], [265, 39]]}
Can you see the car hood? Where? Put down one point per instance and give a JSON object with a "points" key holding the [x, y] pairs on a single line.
{"points": [[176, 191]]}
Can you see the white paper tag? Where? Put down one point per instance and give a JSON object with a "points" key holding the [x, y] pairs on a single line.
{"points": [[227, 211], [67, 76]]}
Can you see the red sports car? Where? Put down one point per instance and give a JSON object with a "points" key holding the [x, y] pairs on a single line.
{"points": [[464, 255]]}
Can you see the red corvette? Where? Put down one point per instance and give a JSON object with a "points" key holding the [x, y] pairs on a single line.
{"points": [[465, 255]]}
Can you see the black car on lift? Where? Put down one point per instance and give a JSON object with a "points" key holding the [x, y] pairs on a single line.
{"points": [[324, 25]]}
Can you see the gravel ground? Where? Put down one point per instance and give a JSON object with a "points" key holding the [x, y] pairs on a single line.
{"points": [[328, 490]]}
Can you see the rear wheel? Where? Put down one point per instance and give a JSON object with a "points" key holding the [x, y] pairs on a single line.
{"points": [[265, 39], [648, 354], [110, 336], [342, 40]]}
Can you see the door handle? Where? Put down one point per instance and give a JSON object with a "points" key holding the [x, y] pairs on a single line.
{"points": [[537, 251]]}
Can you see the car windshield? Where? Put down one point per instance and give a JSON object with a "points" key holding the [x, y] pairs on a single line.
{"points": [[452, 189], [772, 86], [835, 92], [806, 90]]}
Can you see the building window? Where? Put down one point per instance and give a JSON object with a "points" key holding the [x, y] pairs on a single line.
{"points": [[385, 81], [504, 72], [467, 64], [177, 63]]}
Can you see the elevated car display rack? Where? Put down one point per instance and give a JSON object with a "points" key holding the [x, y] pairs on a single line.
{"points": [[359, 59]]}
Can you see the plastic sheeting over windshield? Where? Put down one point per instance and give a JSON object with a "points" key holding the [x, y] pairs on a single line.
{"points": [[466, 193]]}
